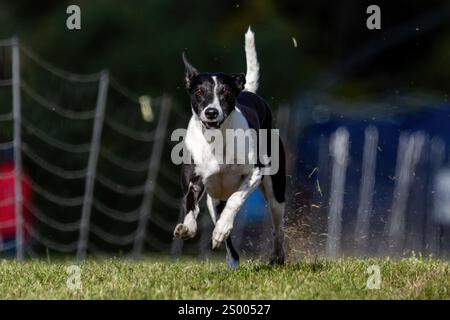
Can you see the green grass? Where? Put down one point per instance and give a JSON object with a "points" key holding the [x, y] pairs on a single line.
{"points": [[120, 279]]}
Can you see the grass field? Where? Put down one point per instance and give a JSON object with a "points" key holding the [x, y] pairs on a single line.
{"points": [[118, 279]]}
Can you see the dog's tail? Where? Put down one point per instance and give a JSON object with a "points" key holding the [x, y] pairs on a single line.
{"points": [[252, 76]]}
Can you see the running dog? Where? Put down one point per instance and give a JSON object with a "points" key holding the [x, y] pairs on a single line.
{"points": [[222, 102]]}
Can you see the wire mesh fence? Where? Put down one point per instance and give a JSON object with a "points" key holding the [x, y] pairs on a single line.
{"points": [[81, 160]]}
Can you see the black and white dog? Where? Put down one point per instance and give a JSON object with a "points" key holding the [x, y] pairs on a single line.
{"points": [[222, 101]]}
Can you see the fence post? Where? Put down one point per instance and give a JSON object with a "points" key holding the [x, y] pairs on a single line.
{"points": [[17, 145], [339, 151], [366, 189], [408, 154], [152, 174], [92, 164]]}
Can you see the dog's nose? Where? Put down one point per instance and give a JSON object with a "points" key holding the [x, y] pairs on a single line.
{"points": [[211, 113]]}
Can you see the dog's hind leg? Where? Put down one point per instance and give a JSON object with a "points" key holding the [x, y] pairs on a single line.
{"points": [[212, 207], [232, 254], [277, 205], [193, 190], [215, 207]]}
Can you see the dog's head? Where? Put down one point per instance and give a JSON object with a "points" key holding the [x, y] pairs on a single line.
{"points": [[213, 95]]}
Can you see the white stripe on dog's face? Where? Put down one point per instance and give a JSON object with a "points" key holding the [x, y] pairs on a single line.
{"points": [[215, 104], [213, 97]]}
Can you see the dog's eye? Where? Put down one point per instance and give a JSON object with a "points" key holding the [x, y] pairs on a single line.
{"points": [[198, 92]]}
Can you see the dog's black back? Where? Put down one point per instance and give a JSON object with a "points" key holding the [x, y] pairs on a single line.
{"points": [[255, 110], [258, 115]]}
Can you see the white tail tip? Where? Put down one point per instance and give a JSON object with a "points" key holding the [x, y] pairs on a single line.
{"points": [[252, 75]]}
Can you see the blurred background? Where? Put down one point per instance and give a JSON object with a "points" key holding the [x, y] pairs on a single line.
{"points": [[364, 115]]}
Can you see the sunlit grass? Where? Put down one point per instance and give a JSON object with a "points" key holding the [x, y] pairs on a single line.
{"points": [[121, 279]]}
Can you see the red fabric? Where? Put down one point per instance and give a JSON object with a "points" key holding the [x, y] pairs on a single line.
{"points": [[7, 208]]}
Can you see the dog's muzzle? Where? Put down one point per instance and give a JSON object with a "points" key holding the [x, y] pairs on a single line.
{"points": [[211, 118]]}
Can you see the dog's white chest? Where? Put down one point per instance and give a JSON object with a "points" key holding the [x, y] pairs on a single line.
{"points": [[222, 184], [221, 178]]}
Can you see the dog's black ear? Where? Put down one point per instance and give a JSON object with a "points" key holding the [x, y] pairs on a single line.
{"points": [[190, 72], [239, 80]]}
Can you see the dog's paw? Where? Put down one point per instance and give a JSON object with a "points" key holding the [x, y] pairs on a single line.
{"points": [[183, 232], [221, 232]]}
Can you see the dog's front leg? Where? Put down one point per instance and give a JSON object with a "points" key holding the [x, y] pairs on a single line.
{"points": [[234, 203], [193, 194]]}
